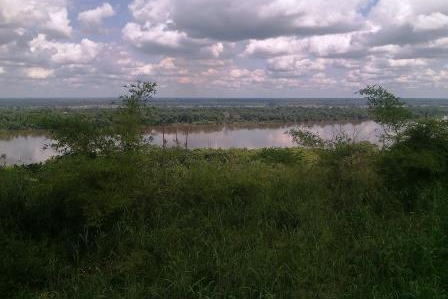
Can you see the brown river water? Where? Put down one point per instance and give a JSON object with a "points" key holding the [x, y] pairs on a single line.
{"points": [[29, 147]]}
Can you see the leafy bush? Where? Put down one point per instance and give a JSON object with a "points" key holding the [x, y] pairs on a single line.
{"points": [[79, 135], [386, 109], [280, 155], [175, 223], [419, 158]]}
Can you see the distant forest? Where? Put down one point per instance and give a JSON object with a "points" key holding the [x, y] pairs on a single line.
{"points": [[212, 102], [21, 118]]}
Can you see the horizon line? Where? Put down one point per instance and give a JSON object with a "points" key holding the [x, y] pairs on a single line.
{"points": [[201, 98]]}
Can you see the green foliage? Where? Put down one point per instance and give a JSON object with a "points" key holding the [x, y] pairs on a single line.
{"points": [[339, 143], [171, 223], [34, 118], [419, 159], [386, 109], [280, 155], [129, 117], [166, 115], [76, 134], [20, 119], [306, 139], [81, 134]]}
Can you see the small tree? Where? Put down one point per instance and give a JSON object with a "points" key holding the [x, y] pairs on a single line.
{"points": [[306, 138], [386, 109], [80, 134], [129, 117]]}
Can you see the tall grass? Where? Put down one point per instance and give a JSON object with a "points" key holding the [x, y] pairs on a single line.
{"points": [[171, 223]]}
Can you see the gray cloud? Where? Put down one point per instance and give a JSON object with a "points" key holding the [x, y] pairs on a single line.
{"points": [[403, 35], [223, 22], [235, 20], [225, 47]]}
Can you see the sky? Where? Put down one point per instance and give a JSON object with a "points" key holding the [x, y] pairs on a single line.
{"points": [[223, 48]]}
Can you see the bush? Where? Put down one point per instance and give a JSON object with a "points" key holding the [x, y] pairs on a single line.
{"points": [[418, 159], [280, 155], [421, 156]]}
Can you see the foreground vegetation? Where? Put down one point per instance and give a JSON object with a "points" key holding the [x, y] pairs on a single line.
{"points": [[333, 219]]}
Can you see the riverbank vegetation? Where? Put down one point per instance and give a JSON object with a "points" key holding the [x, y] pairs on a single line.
{"points": [[36, 118], [25, 118], [115, 217]]}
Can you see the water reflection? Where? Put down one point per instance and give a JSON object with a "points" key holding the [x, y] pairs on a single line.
{"points": [[27, 147], [24, 147], [256, 135]]}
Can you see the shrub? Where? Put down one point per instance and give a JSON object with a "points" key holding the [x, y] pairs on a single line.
{"points": [[419, 159]]}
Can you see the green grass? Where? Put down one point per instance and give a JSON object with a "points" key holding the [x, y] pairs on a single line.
{"points": [[272, 223]]}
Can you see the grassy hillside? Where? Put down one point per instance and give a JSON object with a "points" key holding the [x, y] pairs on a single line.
{"points": [[272, 223]]}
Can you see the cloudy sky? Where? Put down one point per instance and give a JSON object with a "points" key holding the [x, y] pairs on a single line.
{"points": [[223, 48]]}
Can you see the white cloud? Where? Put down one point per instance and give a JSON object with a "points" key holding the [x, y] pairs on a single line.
{"points": [[209, 73], [246, 76], [274, 46], [151, 11], [397, 12], [318, 45], [159, 39], [92, 19], [295, 63], [49, 16], [318, 13], [143, 69], [154, 36], [433, 21], [167, 64], [321, 79], [58, 23], [403, 22], [407, 62], [215, 50], [67, 53], [38, 72]]}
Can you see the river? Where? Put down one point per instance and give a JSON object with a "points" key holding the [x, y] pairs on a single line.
{"points": [[30, 147]]}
